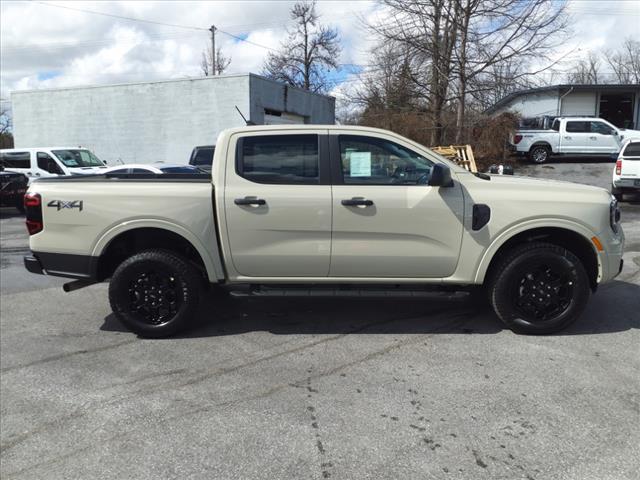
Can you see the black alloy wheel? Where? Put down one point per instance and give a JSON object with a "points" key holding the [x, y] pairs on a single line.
{"points": [[155, 293], [538, 288]]}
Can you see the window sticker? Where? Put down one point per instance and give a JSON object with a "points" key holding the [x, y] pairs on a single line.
{"points": [[360, 164]]}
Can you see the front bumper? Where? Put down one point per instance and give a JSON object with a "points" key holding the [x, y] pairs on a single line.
{"points": [[611, 257]]}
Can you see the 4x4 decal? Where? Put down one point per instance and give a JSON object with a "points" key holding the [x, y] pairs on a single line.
{"points": [[61, 204]]}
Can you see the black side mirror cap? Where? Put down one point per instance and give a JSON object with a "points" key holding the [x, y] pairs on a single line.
{"points": [[440, 176]]}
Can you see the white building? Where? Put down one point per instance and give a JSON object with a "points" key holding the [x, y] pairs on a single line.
{"points": [[158, 121], [619, 104]]}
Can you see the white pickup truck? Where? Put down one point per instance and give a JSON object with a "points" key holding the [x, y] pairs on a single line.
{"points": [[301, 207], [577, 136]]}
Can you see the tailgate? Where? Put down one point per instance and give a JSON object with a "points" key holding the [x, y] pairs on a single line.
{"points": [[630, 167]]}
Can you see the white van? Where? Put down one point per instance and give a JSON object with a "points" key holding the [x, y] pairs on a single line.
{"points": [[50, 161]]}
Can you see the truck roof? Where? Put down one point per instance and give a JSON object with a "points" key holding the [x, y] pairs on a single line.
{"points": [[25, 149], [306, 126]]}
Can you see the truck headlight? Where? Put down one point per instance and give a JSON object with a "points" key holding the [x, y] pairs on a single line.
{"points": [[614, 214]]}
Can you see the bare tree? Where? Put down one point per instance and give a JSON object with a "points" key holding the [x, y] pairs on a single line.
{"points": [[457, 46], [427, 32], [586, 70], [625, 62], [6, 137], [495, 32], [206, 65], [309, 53]]}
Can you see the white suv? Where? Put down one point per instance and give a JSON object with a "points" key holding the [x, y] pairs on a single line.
{"points": [[626, 173]]}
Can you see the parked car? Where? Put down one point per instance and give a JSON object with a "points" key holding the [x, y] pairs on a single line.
{"points": [[155, 168], [311, 207], [202, 157], [46, 162], [13, 186], [584, 136], [626, 173]]}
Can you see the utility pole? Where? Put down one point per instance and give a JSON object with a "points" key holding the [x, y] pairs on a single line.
{"points": [[213, 50]]}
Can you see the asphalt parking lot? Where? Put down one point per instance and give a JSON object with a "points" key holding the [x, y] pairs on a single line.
{"points": [[344, 388]]}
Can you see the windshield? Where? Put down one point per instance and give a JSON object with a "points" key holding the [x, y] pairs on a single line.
{"points": [[203, 156], [78, 158]]}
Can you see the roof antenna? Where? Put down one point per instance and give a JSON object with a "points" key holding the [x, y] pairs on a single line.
{"points": [[247, 122]]}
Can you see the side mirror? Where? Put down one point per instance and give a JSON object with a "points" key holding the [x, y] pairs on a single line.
{"points": [[440, 176]]}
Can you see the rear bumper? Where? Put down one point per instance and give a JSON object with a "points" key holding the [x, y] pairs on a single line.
{"points": [[81, 267], [627, 183], [32, 264]]}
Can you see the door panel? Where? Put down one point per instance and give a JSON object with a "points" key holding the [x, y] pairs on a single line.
{"points": [[388, 222], [282, 227], [409, 231], [576, 138], [603, 135]]}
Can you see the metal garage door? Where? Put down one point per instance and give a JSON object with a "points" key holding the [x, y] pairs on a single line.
{"points": [[579, 103]]}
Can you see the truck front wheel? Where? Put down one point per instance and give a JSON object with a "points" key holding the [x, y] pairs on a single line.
{"points": [[539, 288], [155, 293]]}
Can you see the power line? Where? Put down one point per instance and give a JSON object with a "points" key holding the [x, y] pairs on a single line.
{"points": [[122, 17]]}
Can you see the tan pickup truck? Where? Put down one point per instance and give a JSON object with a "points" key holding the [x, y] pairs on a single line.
{"points": [[302, 207]]}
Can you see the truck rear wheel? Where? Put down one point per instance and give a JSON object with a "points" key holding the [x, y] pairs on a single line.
{"points": [[155, 293], [539, 288], [539, 154]]}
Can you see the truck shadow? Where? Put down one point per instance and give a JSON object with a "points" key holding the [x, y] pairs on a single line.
{"points": [[612, 309]]}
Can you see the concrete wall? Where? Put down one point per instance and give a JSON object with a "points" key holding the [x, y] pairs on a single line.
{"points": [[265, 93], [534, 105], [159, 121]]}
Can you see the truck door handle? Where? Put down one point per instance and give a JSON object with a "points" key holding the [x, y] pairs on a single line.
{"points": [[567, 138], [593, 138], [356, 202], [250, 201]]}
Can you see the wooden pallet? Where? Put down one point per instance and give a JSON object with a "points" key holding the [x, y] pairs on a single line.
{"points": [[460, 154]]}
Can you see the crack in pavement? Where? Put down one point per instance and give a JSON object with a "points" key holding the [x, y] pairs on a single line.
{"points": [[60, 356], [82, 411]]}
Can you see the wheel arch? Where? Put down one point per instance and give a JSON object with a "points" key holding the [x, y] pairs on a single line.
{"points": [[132, 237], [540, 143], [573, 237]]}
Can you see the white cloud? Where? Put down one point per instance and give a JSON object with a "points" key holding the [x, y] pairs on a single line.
{"points": [[44, 46]]}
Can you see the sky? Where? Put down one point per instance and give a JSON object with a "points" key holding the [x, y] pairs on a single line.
{"points": [[48, 44]]}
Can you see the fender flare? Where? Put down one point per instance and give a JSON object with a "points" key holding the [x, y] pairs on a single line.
{"points": [[212, 264], [542, 143], [514, 230]]}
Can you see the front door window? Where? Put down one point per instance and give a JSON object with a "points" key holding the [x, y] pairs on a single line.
{"points": [[375, 161]]}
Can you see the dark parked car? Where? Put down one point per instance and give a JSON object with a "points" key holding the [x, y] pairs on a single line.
{"points": [[202, 157], [13, 186]]}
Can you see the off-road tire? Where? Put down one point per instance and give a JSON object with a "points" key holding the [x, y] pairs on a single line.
{"points": [[539, 154], [180, 288], [510, 286]]}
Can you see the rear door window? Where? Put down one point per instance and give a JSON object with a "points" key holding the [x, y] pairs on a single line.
{"points": [[578, 127], [15, 159], [279, 159], [632, 150]]}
